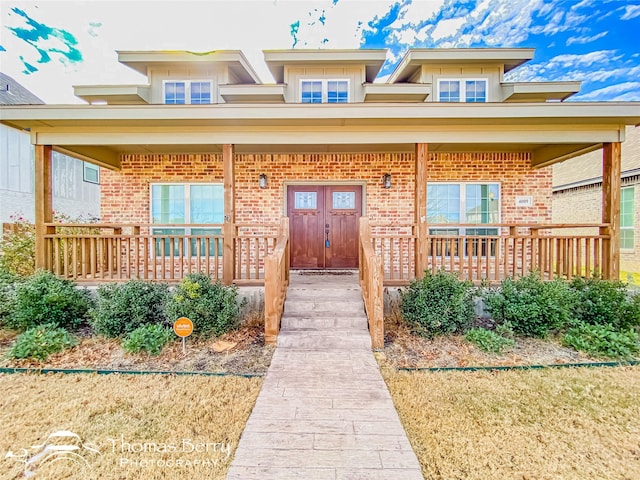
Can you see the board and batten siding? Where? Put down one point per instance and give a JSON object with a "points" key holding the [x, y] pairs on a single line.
{"points": [[355, 75], [492, 73]]}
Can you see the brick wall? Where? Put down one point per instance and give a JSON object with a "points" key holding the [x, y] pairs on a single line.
{"points": [[125, 194], [584, 205]]}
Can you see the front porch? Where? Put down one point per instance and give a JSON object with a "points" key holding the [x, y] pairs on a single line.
{"points": [[397, 237]]}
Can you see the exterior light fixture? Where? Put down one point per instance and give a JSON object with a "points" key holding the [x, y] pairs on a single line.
{"points": [[263, 181], [386, 180]]}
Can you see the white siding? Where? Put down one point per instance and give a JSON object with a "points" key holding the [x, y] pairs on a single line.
{"points": [[72, 196]]}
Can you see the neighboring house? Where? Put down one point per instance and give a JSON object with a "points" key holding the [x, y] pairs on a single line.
{"points": [[76, 190], [577, 196], [448, 164]]}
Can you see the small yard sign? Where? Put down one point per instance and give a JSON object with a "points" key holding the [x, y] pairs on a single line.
{"points": [[183, 328]]}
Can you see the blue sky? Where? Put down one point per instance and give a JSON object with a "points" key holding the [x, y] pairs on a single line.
{"points": [[50, 45]]}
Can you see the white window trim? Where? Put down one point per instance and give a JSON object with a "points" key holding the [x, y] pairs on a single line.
{"points": [[633, 226], [463, 87], [325, 90], [187, 90], [84, 172], [463, 198]]}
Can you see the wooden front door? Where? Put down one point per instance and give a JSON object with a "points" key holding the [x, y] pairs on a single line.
{"points": [[324, 225]]}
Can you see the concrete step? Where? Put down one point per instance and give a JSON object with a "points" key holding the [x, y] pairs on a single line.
{"points": [[323, 340], [322, 308], [324, 323], [328, 294]]}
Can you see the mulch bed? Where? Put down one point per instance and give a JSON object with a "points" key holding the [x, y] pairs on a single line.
{"points": [[406, 350], [250, 355]]}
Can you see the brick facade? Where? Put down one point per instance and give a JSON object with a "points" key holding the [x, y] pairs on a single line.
{"points": [[578, 195], [125, 194], [589, 200]]}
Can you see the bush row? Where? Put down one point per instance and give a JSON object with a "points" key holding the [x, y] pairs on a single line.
{"points": [[596, 316], [140, 312]]}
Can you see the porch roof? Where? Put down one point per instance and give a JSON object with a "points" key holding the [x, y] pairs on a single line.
{"points": [[101, 133]]}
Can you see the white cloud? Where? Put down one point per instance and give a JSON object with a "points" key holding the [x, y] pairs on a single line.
{"points": [[630, 11], [583, 40], [619, 92], [447, 28]]}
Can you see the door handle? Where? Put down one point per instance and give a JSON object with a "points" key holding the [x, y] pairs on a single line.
{"points": [[327, 243]]}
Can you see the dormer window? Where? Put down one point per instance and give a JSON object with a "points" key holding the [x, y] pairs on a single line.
{"points": [[468, 90], [324, 91], [187, 92]]}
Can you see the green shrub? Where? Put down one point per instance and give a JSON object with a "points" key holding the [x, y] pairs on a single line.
{"points": [[534, 307], [606, 302], [8, 284], [438, 304], [43, 299], [41, 341], [151, 338], [603, 340], [121, 308], [18, 246], [212, 307], [488, 341], [506, 330]]}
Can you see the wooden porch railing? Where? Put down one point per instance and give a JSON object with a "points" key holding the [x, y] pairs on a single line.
{"points": [[276, 283], [514, 251], [371, 279], [118, 252]]}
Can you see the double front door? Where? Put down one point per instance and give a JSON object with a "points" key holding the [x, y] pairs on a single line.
{"points": [[324, 225]]}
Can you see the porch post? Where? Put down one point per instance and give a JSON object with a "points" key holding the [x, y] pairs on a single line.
{"points": [[229, 229], [44, 201], [611, 183], [420, 209]]}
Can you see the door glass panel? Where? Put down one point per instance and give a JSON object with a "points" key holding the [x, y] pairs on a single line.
{"points": [[344, 200], [306, 200]]}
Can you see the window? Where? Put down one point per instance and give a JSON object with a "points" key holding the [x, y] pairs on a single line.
{"points": [[337, 91], [184, 204], [475, 203], [324, 91], [468, 90], [627, 216], [184, 92], [311, 92], [91, 173]]}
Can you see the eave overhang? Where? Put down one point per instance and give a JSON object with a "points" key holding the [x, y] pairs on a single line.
{"points": [[390, 93], [510, 58], [141, 61], [114, 94], [253, 93], [551, 131], [372, 60], [538, 91]]}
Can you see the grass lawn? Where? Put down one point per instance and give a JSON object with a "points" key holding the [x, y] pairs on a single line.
{"points": [[145, 427], [539, 424]]}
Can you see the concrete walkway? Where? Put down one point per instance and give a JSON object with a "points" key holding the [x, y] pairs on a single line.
{"points": [[324, 411]]}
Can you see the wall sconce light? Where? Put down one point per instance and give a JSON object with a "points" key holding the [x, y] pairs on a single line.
{"points": [[386, 180], [263, 181]]}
